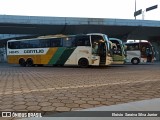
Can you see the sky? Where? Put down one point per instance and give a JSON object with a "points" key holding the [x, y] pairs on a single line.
{"points": [[115, 9]]}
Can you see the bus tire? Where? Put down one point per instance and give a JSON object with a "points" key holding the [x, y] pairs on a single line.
{"points": [[39, 65], [22, 62], [135, 61], [29, 62], [83, 62]]}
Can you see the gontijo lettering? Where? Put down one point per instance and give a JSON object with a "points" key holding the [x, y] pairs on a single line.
{"points": [[34, 51]]}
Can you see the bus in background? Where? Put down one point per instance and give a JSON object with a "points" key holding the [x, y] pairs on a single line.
{"points": [[82, 50], [139, 52], [119, 55]]}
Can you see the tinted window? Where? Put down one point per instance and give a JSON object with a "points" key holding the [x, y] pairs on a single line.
{"points": [[96, 38], [14, 45], [44, 43], [10, 45], [82, 41], [55, 42], [117, 44], [69, 42], [34, 43], [133, 46], [24, 44]]}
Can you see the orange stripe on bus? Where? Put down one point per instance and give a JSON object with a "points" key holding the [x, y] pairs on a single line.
{"points": [[37, 59]]}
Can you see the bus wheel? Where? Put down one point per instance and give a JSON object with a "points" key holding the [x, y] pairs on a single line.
{"points": [[83, 62], [22, 62], [135, 61], [40, 65], [29, 62]]}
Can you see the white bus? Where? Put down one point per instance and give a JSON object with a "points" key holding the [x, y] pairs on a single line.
{"points": [[62, 50], [139, 52]]}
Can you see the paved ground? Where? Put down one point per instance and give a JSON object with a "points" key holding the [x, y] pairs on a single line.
{"points": [[141, 110], [72, 88]]}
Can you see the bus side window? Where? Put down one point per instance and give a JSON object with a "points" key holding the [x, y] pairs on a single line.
{"points": [[79, 42], [87, 41], [24, 44], [96, 39], [52, 44], [10, 46], [34, 43], [69, 42], [82, 41], [58, 43], [136, 47], [16, 45], [133, 46]]}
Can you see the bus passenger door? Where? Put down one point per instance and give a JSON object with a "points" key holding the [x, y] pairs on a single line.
{"points": [[102, 52], [95, 56], [98, 50], [99, 53]]}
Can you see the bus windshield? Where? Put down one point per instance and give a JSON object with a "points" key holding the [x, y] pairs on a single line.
{"points": [[119, 55]]}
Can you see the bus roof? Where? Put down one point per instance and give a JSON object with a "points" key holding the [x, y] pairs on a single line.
{"points": [[96, 34], [136, 42], [130, 41], [55, 36], [41, 37]]}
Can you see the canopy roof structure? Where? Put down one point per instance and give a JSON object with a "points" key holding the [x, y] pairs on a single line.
{"points": [[119, 28]]}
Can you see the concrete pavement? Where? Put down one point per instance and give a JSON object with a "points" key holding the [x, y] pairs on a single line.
{"points": [[152, 107], [72, 88]]}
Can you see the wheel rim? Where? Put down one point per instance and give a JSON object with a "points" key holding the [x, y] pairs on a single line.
{"points": [[22, 63], [83, 63], [29, 63], [135, 61]]}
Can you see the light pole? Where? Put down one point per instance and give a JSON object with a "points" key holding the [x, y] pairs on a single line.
{"points": [[135, 8], [138, 12]]}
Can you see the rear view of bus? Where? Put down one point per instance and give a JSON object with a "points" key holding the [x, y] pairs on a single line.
{"points": [[119, 56], [139, 52]]}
